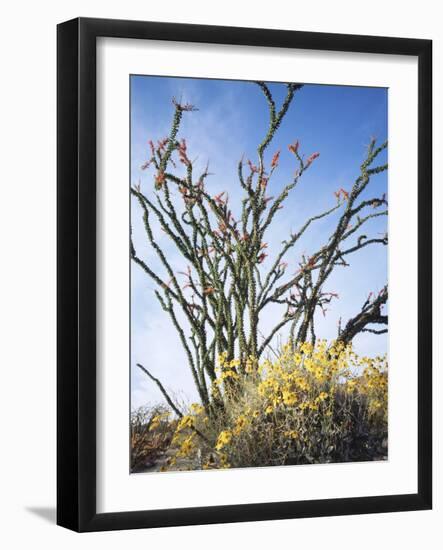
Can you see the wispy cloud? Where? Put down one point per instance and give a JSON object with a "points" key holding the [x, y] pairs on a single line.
{"points": [[220, 132]]}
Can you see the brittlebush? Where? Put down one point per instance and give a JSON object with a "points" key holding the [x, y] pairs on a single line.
{"points": [[311, 405]]}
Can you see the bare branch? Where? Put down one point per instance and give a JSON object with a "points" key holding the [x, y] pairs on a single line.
{"points": [[162, 389], [369, 314]]}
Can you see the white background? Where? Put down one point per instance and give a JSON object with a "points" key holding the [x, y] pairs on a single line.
{"points": [[27, 300]]}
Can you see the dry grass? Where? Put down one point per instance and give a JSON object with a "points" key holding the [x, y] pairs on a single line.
{"points": [[311, 405], [151, 434]]}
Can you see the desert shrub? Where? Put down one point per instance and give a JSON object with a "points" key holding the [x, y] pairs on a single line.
{"points": [[312, 404], [151, 434]]}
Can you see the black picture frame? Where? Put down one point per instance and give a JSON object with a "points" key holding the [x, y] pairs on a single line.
{"points": [[76, 281]]}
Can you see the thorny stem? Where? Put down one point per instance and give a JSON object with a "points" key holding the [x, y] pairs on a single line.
{"points": [[225, 288]]}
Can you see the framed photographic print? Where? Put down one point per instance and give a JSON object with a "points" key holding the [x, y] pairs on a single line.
{"points": [[244, 274]]}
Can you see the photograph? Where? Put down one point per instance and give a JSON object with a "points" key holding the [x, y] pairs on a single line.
{"points": [[259, 274], [220, 298]]}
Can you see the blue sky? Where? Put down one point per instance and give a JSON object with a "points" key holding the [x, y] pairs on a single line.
{"points": [[336, 121]]}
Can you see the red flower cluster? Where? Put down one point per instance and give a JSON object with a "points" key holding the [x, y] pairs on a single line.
{"points": [[275, 158], [261, 257], [182, 153], [183, 106], [160, 179], [341, 192], [252, 167], [162, 144], [219, 199], [263, 182], [311, 159], [294, 147]]}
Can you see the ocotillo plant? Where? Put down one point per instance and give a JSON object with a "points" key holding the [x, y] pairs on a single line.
{"points": [[226, 288]]}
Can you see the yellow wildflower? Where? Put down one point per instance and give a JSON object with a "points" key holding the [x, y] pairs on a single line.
{"points": [[351, 384], [302, 383], [289, 398], [186, 447], [229, 374], [224, 438], [374, 405], [306, 348], [309, 364], [185, 422], [319, 374], [196, 408], [224, 461], [250, 364], [155, 422], [240, 424]]}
